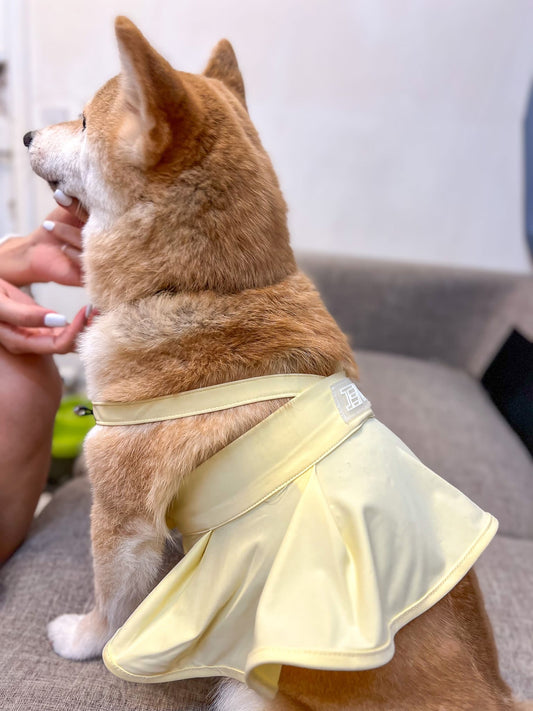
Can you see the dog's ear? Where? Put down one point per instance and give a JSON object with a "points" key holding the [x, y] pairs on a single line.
{"points": [[156, 103], [223, 65]]}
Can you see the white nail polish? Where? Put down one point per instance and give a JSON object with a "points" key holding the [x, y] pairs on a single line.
{"points": [[52, 320], [62, 199], [49, 225]]}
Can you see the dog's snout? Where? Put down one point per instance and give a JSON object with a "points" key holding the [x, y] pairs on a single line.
{"points": [[28, 138]]}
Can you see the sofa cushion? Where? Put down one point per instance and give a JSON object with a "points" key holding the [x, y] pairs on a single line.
{"points": [[449, 422], [49, 575], [505, 574], [454, 315]]}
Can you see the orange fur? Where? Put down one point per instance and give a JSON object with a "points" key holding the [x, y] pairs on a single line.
{"points": [[188, 260]]}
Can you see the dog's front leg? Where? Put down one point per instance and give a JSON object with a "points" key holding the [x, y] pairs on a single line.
{"points": [[126, 561]]}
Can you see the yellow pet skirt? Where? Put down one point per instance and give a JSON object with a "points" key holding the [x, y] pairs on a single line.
{"points": [[310, 541]]}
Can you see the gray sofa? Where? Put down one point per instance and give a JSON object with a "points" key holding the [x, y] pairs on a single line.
{"points": [[422, 337]]}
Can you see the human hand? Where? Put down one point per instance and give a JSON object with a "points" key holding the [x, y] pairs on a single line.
{"points": [[23, 325], [50, 253]]}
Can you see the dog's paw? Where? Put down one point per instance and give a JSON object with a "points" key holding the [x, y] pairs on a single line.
{"points": [[73, 638]]}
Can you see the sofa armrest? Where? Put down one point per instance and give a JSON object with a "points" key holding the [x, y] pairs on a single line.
{"points": [[452, 315]]}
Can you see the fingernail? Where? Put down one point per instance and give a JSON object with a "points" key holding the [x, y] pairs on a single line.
{"points": [[52, 320], [49, 225], [62, 199], [88, 311]]}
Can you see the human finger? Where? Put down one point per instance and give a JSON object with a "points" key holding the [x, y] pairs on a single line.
{"points": [[72, 253], [55, 261], [43, 341], [64, 339], [29, 315], [65, 233], [19, 309], [71, 204], [62, 214]]}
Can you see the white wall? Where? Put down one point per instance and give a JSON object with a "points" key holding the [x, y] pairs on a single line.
{"points": [[395, 125]]}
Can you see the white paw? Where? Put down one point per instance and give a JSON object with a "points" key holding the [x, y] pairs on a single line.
{"points": [[73, 638]]}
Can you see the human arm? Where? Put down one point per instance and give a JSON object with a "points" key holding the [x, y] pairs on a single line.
{"points": [[30, 385]]}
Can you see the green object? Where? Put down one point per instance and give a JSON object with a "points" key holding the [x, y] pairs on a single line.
{"points": [[70, 429]]}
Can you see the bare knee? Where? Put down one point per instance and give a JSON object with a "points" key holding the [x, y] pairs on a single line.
{"points": [[31, 386]]}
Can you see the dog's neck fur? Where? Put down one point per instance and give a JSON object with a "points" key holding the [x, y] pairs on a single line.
{"points": [[137, 248], [169, 343]]}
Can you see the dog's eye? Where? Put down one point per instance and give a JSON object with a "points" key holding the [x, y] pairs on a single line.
{"points": [[83, 122]]}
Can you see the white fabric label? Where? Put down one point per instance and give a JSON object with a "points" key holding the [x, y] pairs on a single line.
{"points": [[349, 399]]}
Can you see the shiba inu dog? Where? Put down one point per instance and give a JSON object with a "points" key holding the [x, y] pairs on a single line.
{"points": [[187, 259]]}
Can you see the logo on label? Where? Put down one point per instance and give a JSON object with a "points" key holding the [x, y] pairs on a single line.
{"points": [[352, 395], [348, 398]]}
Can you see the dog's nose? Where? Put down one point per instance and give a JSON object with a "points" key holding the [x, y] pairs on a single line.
{"points": [[28, 138]]}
